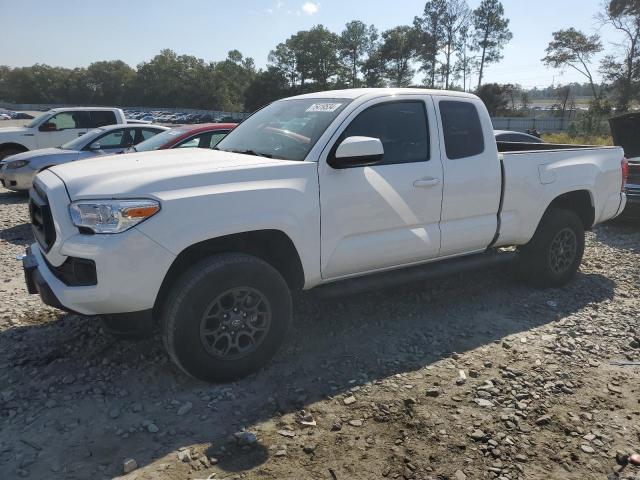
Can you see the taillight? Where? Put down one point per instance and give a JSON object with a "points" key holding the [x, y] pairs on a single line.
{"points": [[625, 172]]}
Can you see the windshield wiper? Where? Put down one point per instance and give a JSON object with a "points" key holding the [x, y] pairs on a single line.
{"points": [[249, 152]]}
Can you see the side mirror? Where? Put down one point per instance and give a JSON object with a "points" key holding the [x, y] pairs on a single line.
{"points": [[48, 127], [94, 146], [357, 152]]}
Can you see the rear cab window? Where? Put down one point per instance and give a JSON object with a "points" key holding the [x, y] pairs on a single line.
{"points": [[101, 118], [462, 130]]}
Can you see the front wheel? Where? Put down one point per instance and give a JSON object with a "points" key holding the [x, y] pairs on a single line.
{"points": [[554, 254], [226, 317]]}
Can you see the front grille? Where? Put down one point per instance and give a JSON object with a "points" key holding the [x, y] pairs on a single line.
{"points": [[41, 219]]}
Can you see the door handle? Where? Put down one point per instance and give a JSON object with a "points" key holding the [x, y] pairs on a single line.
{"points": [[426, 182]]}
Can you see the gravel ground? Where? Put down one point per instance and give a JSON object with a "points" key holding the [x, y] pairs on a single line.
{"points": [[471, 377]]}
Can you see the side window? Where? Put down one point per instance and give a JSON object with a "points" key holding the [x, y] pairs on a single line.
{"points": [[463, 136], [100, 118], [114, 139], [65, 120], [216, 137], [148, 133], [401, 127], [199, 141]]}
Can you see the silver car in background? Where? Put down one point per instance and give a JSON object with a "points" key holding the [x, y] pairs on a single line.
{"points": [[18, 171]]}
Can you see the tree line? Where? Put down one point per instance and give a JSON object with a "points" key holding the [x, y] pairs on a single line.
{"points": [[448, 43]]}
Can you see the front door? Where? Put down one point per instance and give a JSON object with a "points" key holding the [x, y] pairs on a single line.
{"points": [[388, 214], [68, 125]]}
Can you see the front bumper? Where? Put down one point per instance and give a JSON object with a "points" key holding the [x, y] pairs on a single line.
{"points": [[36, 284], [18, 179], [130, 268]]}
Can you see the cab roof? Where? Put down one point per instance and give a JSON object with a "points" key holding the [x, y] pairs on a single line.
{"points": [[353, 93]]}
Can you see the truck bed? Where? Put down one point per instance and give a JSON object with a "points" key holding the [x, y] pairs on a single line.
{"points": [[537, 173]]}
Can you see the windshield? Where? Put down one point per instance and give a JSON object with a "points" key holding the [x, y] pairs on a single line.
{"points": [[33, 123], [80, 142], [157, 141], [286, 130]]}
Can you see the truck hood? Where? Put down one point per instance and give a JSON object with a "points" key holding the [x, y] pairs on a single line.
{"points": [[152, 173], [625, 130], [13, 130]]}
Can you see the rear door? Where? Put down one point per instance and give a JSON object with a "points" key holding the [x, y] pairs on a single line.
{"points": [[384, 215], [472, 175]]}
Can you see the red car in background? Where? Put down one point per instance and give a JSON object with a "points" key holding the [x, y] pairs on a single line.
{"points": [[205, 135]]}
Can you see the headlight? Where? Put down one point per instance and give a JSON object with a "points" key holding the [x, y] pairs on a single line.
{"points": [[111, 216], [17, 164]]}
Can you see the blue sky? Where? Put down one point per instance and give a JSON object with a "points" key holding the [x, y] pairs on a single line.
{"points": [[74, 33]]}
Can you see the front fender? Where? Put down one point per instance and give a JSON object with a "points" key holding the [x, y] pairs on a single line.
{"points": [[290, 205]]}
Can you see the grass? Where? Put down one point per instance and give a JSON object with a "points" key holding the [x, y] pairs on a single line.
{"points": [[565, 138]]}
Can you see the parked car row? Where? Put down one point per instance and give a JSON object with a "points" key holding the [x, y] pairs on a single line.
{"points": [[18, 171], [11, 115], [182, 118]]}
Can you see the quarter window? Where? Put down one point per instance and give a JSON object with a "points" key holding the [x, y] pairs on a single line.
{"points": [[401, 127], [463, 136], [100, 118]]}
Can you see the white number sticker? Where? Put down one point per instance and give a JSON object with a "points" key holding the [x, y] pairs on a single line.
{"points": [[324, 107]]}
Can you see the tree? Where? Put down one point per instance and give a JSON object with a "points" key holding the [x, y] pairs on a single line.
{"points": [[322, 46], [308, 55], [109, 82], [572, 48], [373, 69], [398, 48], [494, 98], [454, 23], [356, 41], [564, 98], [491, 33], [624, 16], [266, 86], [429, 37], [525, 100], [464, 62], [512, 92]]}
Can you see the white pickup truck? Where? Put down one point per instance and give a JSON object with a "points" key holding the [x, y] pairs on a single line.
{"points": [[342, 190], [56, 127]]}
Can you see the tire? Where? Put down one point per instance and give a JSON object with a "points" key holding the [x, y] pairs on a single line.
{"points": [[247, 305], [554, 254], [6, 152]]}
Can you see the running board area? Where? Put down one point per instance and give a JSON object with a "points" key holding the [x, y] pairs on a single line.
{"points": [[393, 278]]}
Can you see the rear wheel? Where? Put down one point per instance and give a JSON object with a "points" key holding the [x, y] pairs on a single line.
{"points": [[226, 317], [554, 254]]}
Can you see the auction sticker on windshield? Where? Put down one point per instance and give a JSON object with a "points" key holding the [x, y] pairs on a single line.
{"points": [[324, 107]]}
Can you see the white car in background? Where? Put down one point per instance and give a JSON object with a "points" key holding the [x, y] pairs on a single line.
{"points": [[57, 126], [17, 171]]}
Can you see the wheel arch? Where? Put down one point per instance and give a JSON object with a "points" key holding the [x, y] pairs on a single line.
{"points": [[13, 145], [578, 201], [273, 246]]}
